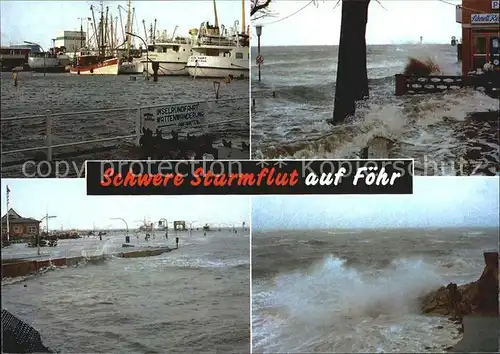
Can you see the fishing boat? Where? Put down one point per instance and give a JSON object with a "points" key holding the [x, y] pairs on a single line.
{"points": [[219, 52], [171, 52], [102, 63], [130, 59]]}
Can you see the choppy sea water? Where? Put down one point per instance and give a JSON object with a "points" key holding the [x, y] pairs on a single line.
{"points": [[433, 129], [66, 93], [196, 298], [347, 291]]}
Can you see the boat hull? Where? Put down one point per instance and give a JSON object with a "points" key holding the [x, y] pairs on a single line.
{"points": [[168, 68], [131, 68], [106, 67], [217, 67]]}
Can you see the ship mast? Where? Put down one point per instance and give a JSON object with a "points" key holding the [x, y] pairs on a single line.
{"points": [[243, 16], [94, 29], [128, 29], [101, 31]]}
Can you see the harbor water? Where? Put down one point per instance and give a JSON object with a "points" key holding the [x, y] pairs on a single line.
{"points": [[66, 93], [346, 291], [434, 129], [195, 298]]}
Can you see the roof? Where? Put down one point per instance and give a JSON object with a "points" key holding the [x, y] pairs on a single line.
{"points": [[14, 217]]}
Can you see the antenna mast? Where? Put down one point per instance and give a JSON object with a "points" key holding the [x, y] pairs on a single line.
{"points": [[128, 29], [242, 16], [216, 18]]}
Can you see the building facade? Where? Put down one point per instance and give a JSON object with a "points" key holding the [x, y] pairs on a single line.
{"points": [[480, 33], [73, 41], [20, 227]]}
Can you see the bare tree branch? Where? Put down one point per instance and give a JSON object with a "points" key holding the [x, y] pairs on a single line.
{"points": [[258, 5]]}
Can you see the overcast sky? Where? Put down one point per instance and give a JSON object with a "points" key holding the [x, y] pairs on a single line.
{"points": [[38, 21], [436, 202], [394, 22], [66, 199]]}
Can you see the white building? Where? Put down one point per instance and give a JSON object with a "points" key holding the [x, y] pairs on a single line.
{"points": [[71, 40]]}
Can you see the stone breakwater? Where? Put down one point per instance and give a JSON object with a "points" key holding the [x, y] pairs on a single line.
{"points": [[22, 267]]}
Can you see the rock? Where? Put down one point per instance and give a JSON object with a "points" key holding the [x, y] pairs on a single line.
{"points": [[439, 327], [476, 298]]}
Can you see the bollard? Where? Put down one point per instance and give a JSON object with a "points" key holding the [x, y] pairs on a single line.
{"points": [[177, 242], [127, 239], [156, 66], [216, 89]]}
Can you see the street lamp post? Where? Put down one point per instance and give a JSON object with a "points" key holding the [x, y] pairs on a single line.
{"points": [[146, 45], [126, 225], [44, 56], [46, 218], [259, 33]]}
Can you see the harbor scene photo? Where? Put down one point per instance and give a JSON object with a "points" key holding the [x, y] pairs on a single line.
{"points": [[152, 274], [422, 86], [398, 274], [84, 83]]}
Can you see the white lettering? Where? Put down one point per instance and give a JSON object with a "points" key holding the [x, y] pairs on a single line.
{"points": [[485, 18], [311, 179], [380, 178]]}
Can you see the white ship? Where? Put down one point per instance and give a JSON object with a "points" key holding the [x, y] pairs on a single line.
{"points": [[219, 53], [171, 54], [131, 66], [48, 62]]}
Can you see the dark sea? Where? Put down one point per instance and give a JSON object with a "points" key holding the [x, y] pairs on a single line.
{"points": [[434, 129], [357, 290], [194, 299], [66, 93]]}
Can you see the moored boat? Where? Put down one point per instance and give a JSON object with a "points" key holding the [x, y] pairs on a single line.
{"points": [[221, 54], [95, 65]]}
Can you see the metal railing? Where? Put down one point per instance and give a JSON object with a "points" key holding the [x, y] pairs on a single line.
{"points": [[49, 116]]}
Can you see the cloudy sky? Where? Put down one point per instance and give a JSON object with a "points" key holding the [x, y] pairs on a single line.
{"points": [[66, 199], [436, 202], [38, 21], [390, 22]]}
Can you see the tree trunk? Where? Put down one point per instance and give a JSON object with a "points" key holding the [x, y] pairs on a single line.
{"points": [[352, 76]]}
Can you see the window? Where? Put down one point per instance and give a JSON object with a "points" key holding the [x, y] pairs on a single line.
{"points": [[480, 45], [239, 55], [32, 230]]}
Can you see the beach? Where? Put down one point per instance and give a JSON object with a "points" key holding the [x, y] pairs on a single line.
{"points": [[344, 290], [195, 298]]}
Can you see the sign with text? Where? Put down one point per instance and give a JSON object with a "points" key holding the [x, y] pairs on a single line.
{"points": [[495, 4], [483, 19], [250, 177], [174, 117], [458, 14]]}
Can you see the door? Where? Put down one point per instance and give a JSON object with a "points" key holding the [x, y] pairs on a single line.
{"points": [[479, 51]]}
